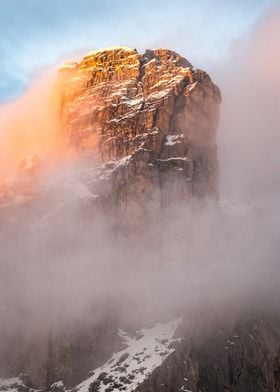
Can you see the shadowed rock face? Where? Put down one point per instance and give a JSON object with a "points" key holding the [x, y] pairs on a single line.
{"points": [[147, 125], [239, 356]]}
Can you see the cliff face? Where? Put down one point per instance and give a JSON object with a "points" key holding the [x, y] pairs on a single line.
{"points": [[150, 121]]}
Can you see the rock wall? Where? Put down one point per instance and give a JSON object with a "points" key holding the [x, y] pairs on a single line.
{"points": [[243, 356], [150, 122]]}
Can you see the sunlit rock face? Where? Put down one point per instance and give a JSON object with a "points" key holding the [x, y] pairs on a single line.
{"points": [[150, 121]]}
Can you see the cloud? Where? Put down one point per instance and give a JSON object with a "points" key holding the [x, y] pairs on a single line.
{"points": [[249, 131]]}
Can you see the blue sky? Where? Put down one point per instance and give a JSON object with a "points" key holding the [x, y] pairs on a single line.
{"points": [[36, 34]]}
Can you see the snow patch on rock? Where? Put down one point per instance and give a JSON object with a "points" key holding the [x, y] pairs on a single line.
{"points": [[127, 369]]}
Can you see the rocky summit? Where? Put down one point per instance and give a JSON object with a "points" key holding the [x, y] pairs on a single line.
{"points": [[146, 123], [150, 120]]}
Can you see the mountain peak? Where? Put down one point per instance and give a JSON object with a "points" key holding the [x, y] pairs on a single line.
{"points": [[142, 129]]}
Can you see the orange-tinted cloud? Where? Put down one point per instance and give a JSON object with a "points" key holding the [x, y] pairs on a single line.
{"points": [[30, 124]]}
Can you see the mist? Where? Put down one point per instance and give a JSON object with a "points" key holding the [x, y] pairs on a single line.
{"points": [[248, 154], [62, 260]]}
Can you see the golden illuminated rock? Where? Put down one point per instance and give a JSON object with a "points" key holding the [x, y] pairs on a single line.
{"points": [[150, 122]]}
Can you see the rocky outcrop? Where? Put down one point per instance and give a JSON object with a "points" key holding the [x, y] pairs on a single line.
{"points": [[146, 127], [150, 122], [215, 356]]}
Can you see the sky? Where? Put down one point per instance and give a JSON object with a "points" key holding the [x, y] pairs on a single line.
{"points": [[36, 34]]}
